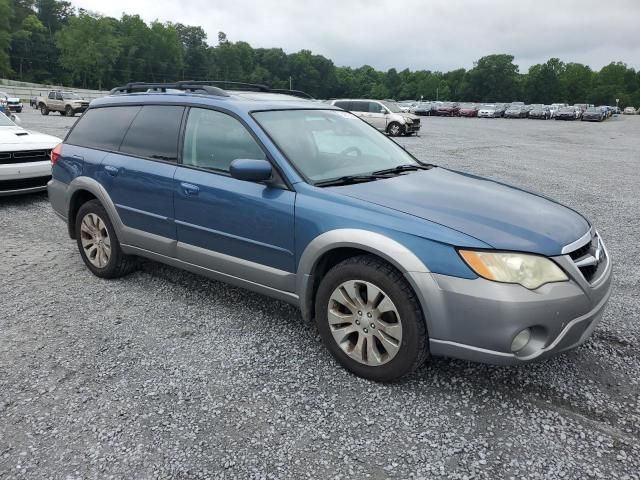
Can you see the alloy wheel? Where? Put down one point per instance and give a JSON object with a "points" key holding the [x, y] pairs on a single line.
{"points": [[365, 323], [95, 240]]}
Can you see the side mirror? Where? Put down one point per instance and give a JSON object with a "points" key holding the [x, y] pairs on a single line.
{"points": [[251, 170]]}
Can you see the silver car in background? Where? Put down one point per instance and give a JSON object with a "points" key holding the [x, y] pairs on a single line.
{"points": [[381, 114]]}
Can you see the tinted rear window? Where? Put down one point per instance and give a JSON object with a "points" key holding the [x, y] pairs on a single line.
{"points": [[102, 128], [154, 133]]}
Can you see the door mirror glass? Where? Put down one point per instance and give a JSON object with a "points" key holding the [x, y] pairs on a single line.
{"points": [[251, 170]]}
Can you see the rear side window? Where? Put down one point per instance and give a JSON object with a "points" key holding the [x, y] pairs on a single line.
{"points": [[154, 133], [102, 128], [342, 105], [359, 106]]}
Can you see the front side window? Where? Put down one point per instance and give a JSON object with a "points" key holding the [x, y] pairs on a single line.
{"points": [[154, 133], [375, 107], [213, 140], [328, 144]]}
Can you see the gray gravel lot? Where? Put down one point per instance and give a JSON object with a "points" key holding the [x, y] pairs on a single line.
{"points": [[165, 374]]}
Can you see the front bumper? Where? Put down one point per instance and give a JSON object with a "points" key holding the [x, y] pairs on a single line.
{"points": [[478, 319], [13, 107], [19, 178], [412, 127]]}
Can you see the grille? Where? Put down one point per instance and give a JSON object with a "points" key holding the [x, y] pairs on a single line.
{"points": [[23, 183], [24, 156], [590, 259]]}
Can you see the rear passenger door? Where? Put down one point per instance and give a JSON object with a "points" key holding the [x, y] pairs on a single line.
{"points": [[139, 176], [240, 228]]}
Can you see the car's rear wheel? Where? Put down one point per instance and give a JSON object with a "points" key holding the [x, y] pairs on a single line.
{"points": [[395, 129], [370, 320], [98, 244]]}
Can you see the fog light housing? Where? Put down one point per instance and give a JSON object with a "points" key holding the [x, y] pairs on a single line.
{"points": [[521, 340]]}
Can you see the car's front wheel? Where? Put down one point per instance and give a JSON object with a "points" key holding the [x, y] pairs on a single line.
{"points": [[370, 320], [98, 244], [69, 111], [44, 110], [395, 129]]}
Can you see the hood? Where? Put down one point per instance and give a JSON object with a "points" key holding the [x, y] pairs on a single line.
{"points": [[13, 99], [17, 137], [499, 215]]}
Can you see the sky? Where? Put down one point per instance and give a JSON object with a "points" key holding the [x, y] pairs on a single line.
{"points": [[437, 35]]}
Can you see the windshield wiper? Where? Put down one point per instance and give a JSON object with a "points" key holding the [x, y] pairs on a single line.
{"points": [[351, 179], [402, 168]]}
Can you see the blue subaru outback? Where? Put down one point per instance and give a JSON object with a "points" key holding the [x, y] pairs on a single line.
{"points": [[394, 259]]}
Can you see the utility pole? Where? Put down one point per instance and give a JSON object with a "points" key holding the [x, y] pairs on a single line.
{"points": [[437, 93], [290, 83]]}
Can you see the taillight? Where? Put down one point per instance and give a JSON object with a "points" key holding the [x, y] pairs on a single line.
{"points": [[55, 154]]}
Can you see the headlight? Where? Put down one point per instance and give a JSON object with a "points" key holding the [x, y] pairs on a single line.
{"points": [[530, 271]]}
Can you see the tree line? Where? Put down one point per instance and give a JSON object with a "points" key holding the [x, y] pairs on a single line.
{"points": [[49, 41]]}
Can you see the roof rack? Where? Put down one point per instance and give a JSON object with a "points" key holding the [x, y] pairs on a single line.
{"points": [[187, 86], [207, 86]]}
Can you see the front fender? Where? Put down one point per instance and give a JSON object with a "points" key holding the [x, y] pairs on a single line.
{"points": [[380, 245]]}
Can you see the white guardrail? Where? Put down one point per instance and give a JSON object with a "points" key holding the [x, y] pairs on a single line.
{"points": [[26, 90]]}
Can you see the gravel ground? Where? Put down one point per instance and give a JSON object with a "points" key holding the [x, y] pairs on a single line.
{"points": [[165, 374]]}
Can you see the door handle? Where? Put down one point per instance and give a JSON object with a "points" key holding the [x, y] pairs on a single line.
{"points": [[111, 170], [189, 189], [78, 157]]}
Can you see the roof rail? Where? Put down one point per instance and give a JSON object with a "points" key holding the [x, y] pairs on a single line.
{"points": [[206, 86], [295, 93], [187, 86]]}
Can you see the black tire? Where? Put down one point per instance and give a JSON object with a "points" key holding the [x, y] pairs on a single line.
{"points": [[69, 111], [118, 264], [394, 129], [414, 348], [44, 110]]}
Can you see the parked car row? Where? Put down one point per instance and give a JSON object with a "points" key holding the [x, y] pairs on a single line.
{"points": [[558, 111]]}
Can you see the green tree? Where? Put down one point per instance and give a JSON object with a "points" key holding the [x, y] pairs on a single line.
{"points": [[26, 44], [89, 48], [576, 81], [543, 84], [6, 15], [494, 78]]}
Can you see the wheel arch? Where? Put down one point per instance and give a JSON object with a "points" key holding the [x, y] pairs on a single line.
{"points": [[82, 190], [334, 246]]}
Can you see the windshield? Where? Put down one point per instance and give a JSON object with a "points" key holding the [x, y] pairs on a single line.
{"points": [[329, 144], [568, 110], [594, 110], [71, 96], [393, 108], [6, 121]]}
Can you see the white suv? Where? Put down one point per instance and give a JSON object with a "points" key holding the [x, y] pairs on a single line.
{"points": [[383, 115]]}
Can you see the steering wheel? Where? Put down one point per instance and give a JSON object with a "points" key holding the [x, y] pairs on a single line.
{"points": [[349, 150]]}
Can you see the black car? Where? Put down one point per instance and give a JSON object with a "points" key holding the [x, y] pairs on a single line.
{"points": [[593, 114]]}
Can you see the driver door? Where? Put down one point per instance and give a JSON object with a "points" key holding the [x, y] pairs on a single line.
{"points": [[377, 116], [240, 228]]}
